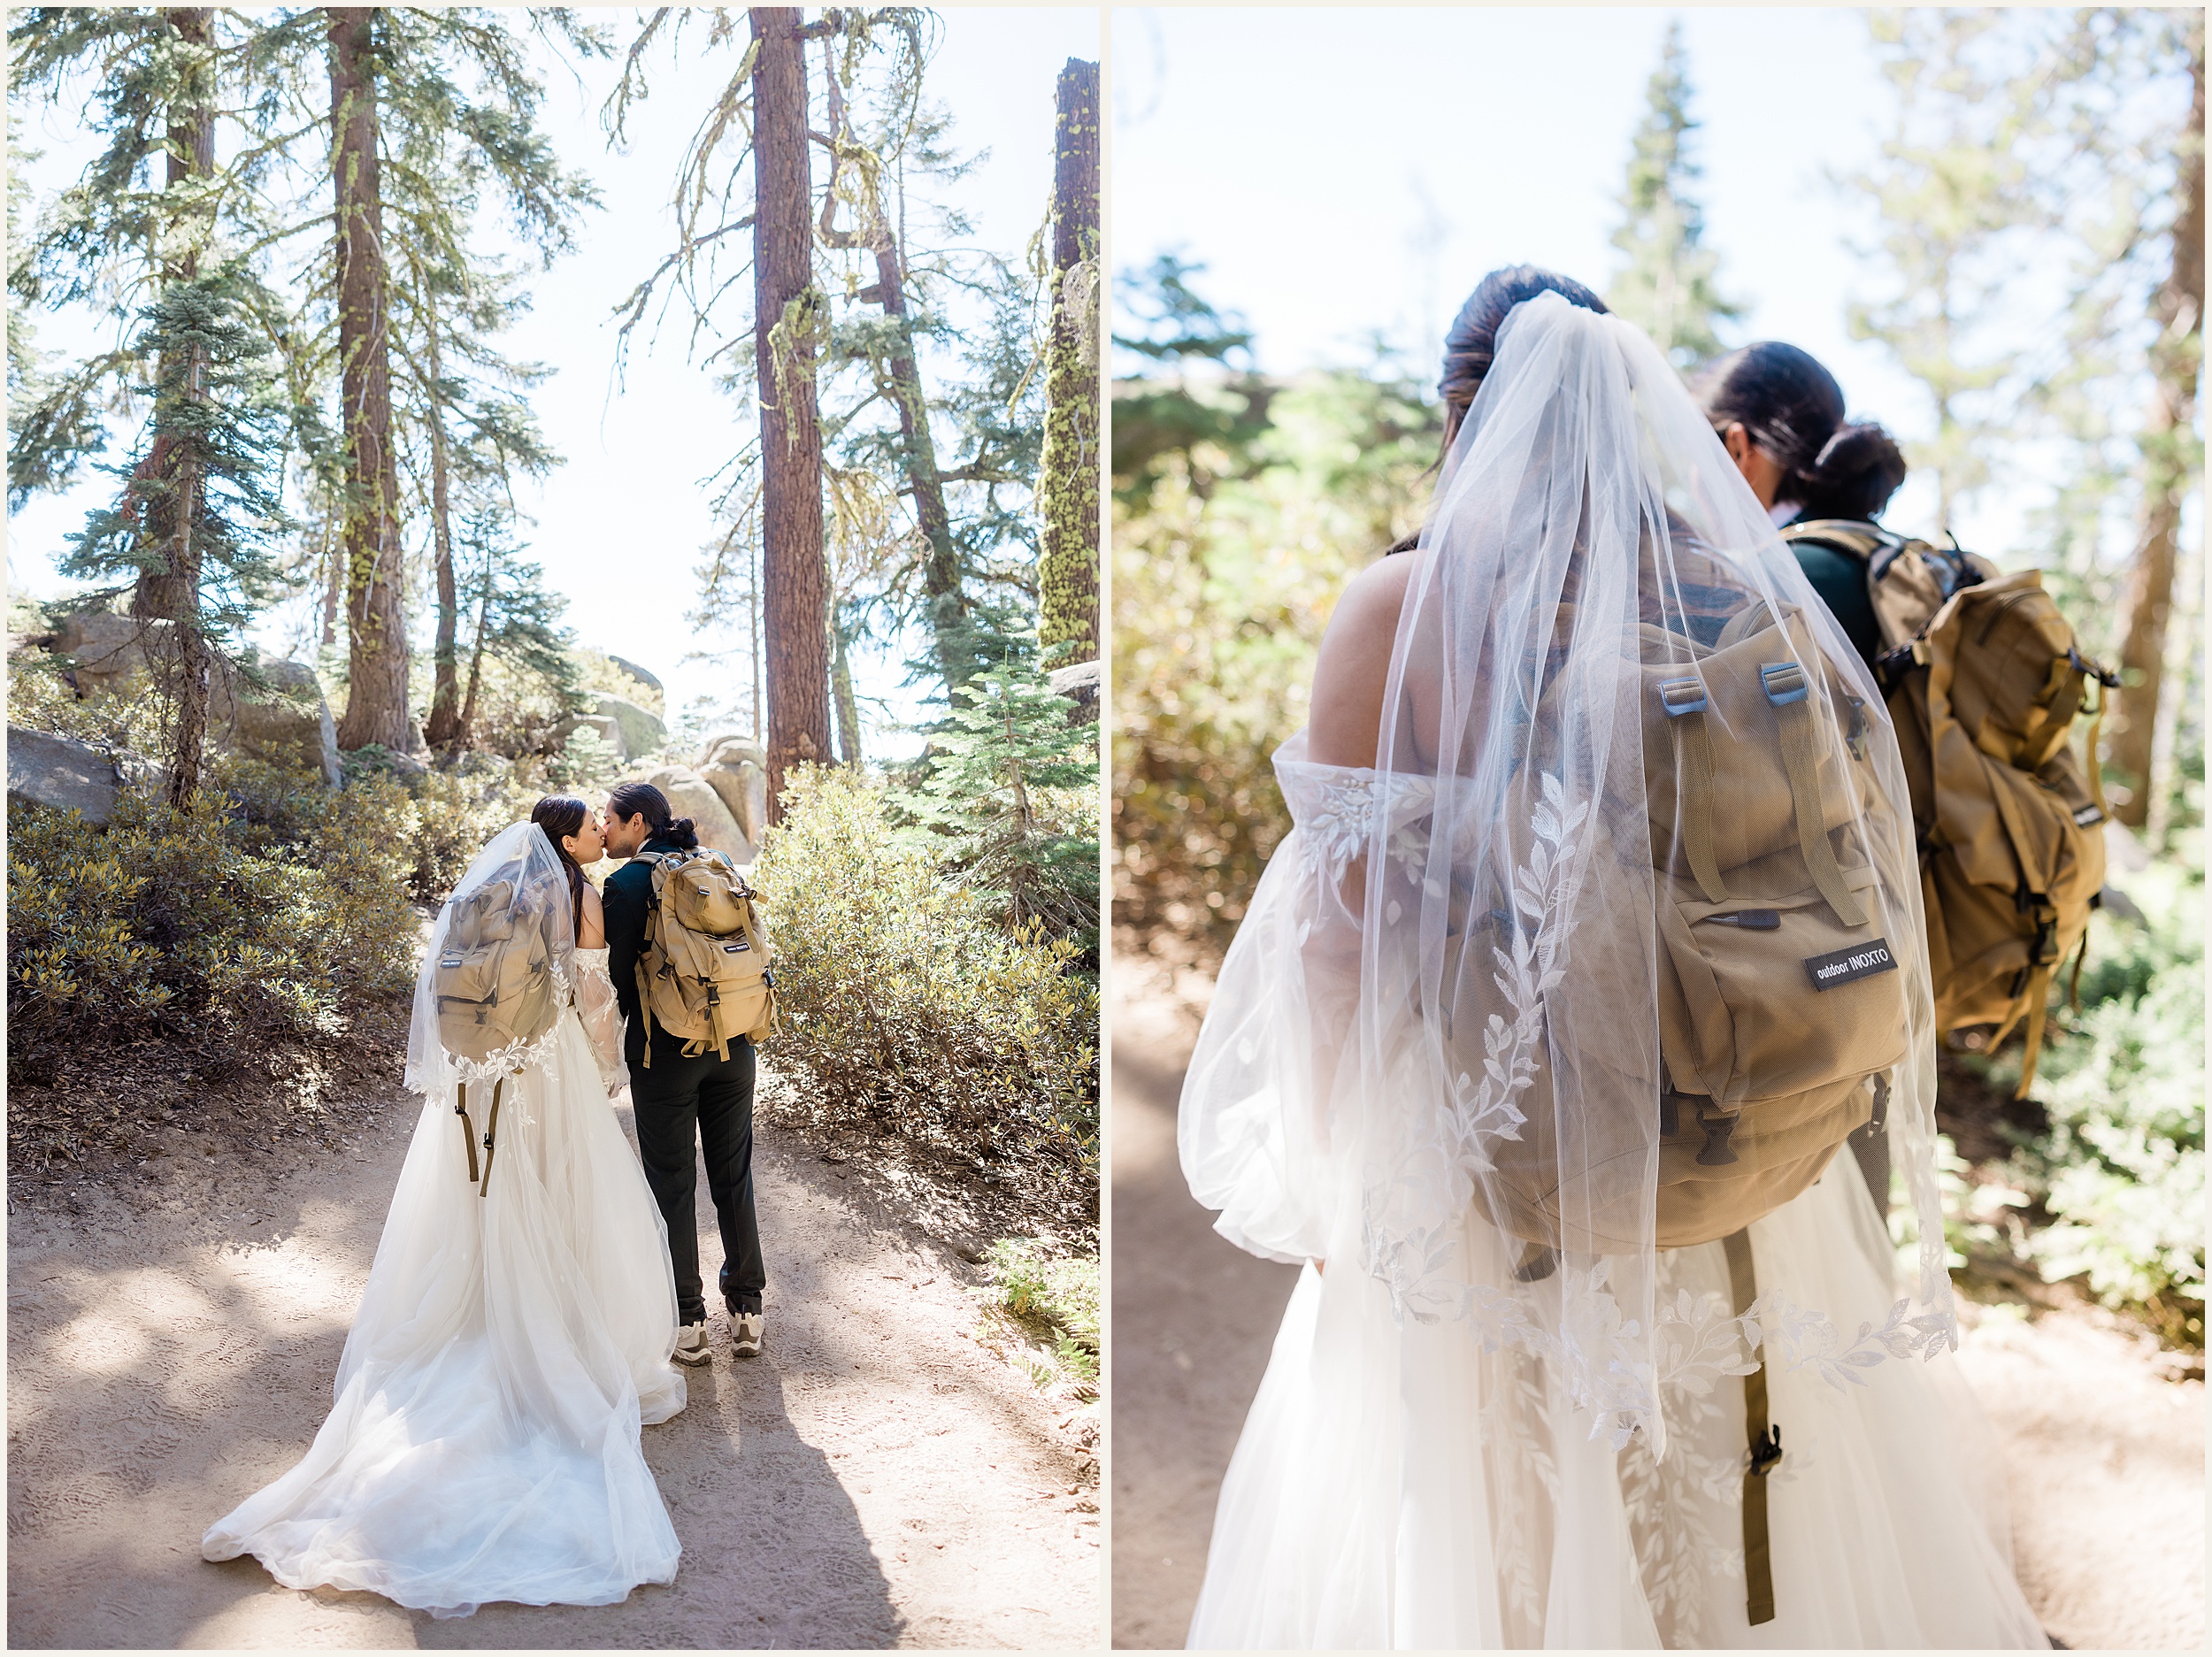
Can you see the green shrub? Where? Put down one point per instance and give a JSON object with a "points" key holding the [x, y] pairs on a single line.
{"points": [[904, 1006], [2121, 1169], [1228, 562], [459, 811], [1060, 1294], [247, 917]]}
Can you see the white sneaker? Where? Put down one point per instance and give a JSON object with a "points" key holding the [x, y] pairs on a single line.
{"points": [[691, 1344], [745, 1330]]}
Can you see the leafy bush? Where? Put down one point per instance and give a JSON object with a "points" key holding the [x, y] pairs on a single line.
{"points": [[251, 916], [1059, 1293], [1010, 800], [906, 1008], [2121, 1169], [1228, 556]]}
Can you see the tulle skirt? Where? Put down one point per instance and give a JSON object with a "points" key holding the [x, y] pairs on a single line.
{"points": [[1399, 1488], [484, 1443]]}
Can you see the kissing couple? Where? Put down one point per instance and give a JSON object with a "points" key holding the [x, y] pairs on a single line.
{"points": [[527, 1307]]}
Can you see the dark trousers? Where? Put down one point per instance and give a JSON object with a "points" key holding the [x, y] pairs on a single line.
{"points": [[716, 1096]]}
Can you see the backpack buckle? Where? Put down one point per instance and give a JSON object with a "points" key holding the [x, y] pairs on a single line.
{"points": [[1766, 1452], [1785, 682], [1680, 697]]}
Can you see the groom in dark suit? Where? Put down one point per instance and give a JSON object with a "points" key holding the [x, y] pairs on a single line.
{"points": [[683, 1104]]}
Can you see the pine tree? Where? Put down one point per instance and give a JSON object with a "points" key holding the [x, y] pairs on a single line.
{"points": [[1951, 188], [1667, 286], [1010, 798], [1068, 577], [200, 506], [2173, 455], [517, 617], [163, 79], [790, 312], [956, 461], [467, 433]]}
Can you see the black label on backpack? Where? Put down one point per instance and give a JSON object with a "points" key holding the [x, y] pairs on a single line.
{"points": [[1861, 960]]}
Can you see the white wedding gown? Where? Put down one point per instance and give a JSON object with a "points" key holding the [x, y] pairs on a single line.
{"points": [[1397, 1484], [484, 1444]]}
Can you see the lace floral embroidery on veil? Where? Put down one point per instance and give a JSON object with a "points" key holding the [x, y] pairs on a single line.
{"points": [[1412, 1221]]}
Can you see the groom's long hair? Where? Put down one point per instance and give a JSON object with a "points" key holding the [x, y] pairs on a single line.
{"points": [[557, 815], [627, 800]]}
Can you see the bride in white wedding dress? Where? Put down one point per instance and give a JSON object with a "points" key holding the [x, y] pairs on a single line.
{"points": [[518, 1319], [1536, 1049]]}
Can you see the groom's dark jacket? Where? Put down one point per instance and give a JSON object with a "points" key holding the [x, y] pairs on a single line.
{"points": [[624, 901]]}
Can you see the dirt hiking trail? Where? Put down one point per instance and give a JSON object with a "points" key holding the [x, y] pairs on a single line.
{"points": [[2104, 1456], [874, 1479]]}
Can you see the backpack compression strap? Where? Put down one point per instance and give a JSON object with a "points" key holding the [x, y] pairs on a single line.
{"points": [[468, 1129], [1766, 1446]]}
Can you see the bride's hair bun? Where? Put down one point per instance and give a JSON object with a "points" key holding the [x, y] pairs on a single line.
{"points": [[1472, 343], [1856, 472]]}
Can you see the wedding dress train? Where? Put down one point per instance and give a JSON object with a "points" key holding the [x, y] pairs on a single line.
{"points": [[484, 1444]]}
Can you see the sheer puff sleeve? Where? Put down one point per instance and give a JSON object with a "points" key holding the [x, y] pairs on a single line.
{"points": [[1257, 1108], [602, 1014]]}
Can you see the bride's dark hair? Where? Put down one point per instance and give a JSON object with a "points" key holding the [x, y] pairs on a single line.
{"points": [[559, 816], [1792, 408], [1472, 343]]}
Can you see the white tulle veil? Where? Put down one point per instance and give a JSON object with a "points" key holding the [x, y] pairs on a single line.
{"points": [[539, 900], [1453, 965]]}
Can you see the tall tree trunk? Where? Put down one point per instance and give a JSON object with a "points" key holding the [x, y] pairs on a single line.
{"points": [[333, 582], [917, 449], [376, 698], [787, 311], [1067, 576], [443, 727], [170, 592], [476, 663], [841, 689], [899, 378], [2179, 309]]}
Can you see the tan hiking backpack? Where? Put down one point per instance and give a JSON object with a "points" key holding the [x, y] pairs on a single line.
{"points": [[703, 971], [494, 989], [1781, 1009], [1984, 679]]}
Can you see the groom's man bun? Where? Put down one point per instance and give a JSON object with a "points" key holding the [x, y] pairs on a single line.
{"points": [[628, 800]]}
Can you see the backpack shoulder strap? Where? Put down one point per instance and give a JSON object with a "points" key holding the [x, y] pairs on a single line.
{"points": [[1846, 535]]}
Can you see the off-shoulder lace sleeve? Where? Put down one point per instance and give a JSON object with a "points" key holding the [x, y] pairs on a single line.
{"points": [[602, 1014], [1258, 1109]]}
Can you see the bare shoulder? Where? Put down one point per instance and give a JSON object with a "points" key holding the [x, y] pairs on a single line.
{"points": [[591, 908], [1354, 665]]}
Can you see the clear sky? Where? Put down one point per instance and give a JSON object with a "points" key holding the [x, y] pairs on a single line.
{"points": [[620, 527], [1347, 170]]}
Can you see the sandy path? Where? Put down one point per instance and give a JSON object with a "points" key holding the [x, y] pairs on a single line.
{"points": [[875, 1478], [2105, 1459]]}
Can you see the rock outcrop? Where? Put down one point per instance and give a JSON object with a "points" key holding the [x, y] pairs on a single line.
{"points": [[283, 721], [1079, 684], [53, 770], [737, 769], [641, 732]]}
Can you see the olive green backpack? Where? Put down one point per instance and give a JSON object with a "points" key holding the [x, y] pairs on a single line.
{"points": [[1985, 680]]}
